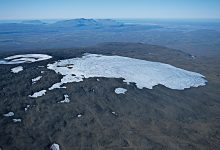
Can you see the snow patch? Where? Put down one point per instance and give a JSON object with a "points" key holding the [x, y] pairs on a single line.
{"points": [[26, 58], [114, 113], [36, 79], [66, 99], [26, 108], [17, 69], [38, 94], [144, 73], [9, 114], [55, 147], [120, 91], [57, 86], [16, 120], [79, 115], [193, 57]]}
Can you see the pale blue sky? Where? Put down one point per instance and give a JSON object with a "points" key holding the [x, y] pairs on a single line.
{"points": [[63, 9]]}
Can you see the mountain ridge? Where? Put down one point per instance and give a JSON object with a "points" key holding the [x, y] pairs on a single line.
{"points": [[88, 22]]}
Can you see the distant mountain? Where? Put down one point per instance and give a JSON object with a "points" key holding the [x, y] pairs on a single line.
{"points": [[77, 22], [32, 22], [88, 22], [109, 22]]}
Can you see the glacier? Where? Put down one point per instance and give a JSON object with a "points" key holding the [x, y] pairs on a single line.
{"points": [[145, 74]]}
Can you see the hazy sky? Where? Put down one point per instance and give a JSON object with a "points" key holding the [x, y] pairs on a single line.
{"points": [[59, 9]]}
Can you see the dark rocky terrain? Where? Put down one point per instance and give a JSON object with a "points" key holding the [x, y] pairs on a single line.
{"points": [[145, 119]]}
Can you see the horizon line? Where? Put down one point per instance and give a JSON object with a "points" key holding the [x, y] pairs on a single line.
{"points": [[11, 19]]}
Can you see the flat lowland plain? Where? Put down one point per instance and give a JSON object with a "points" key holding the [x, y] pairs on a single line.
{"points": [[160, 118]]}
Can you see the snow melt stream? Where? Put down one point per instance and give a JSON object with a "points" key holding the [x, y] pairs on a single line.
{"points": [[144, 73]]}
